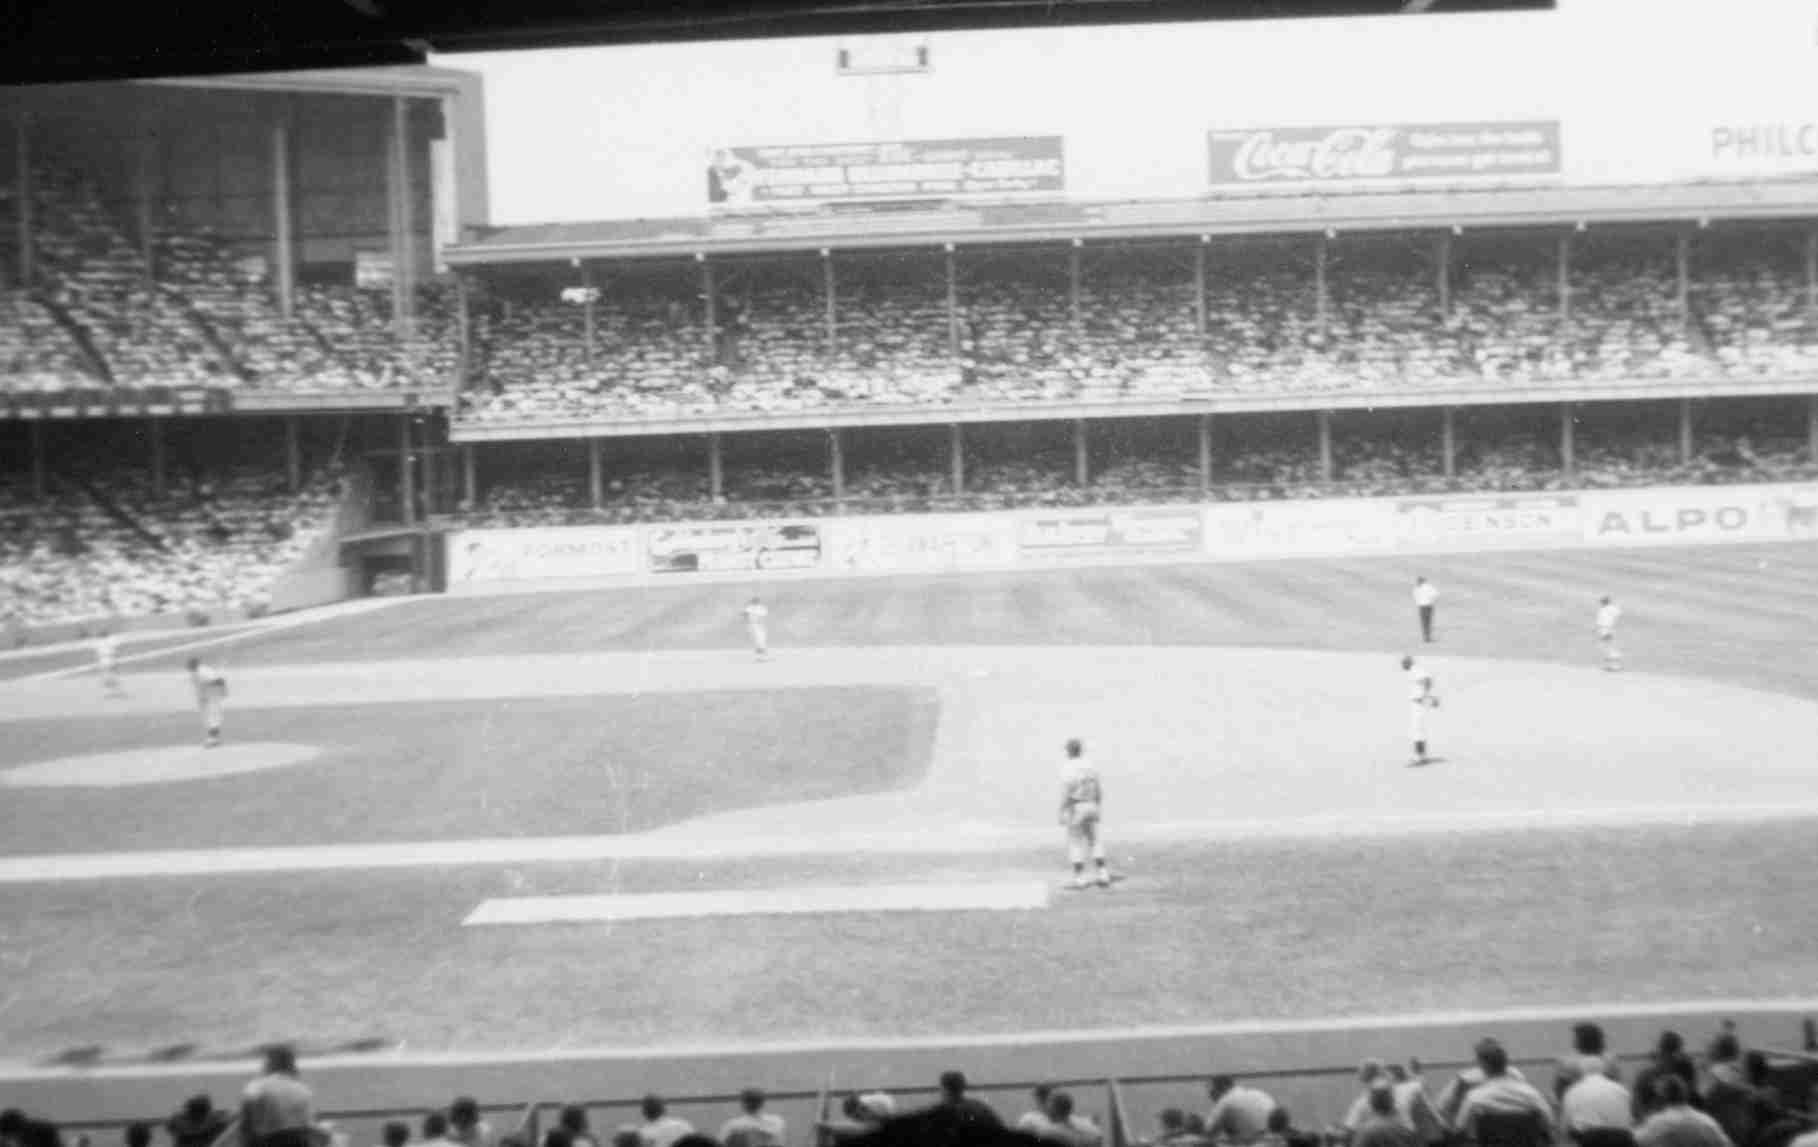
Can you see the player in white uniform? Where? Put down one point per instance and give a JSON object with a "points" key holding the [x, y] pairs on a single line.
{"points": [[211, 698], [1426, 597], [1608, 614], [1082, 799], [1421, 698], [107, 660], [757, 624]]}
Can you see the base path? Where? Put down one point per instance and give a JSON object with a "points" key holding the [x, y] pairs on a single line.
{"points": [[1193, 744]]}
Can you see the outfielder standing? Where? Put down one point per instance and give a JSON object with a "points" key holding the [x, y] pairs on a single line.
{"points": [[107, 660], [757, 624], [211, 698], [1607, 615], [1082, 797], [1426, 596], [1421, 698]]}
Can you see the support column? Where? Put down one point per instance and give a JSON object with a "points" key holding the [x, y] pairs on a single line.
{"points": [[284, 243], [407, 481], [836, 462], [716, 467], [1811, 270], [956, 457], [587, 309], [1073, 275], [1205, 453], [709, 306], [157, 456], [1682, 261], [953, 321], [1811, 428], [1442, 272], [829, 288], [1082, 461], [143, 194], [22, 195], [1325, 446], [1448, 442], [1685, 431], [293, 452], [1568, 437], [596, 478], [40, 484], [470, 478], [464, 332], [1320, 254], [1564, 250], [1199, 285], [404, 255]]}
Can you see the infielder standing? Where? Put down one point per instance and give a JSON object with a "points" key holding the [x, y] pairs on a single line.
{"points": [[107, 660], [1426, 596], [1421, 698], [1607, 615], [757, 624], [211, 698], [1081, 800]]}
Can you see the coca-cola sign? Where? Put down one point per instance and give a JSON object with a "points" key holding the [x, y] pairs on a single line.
{"points": [[1383, 153]]}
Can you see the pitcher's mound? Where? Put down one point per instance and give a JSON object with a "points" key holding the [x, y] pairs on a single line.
{"points": [[157, 766]]}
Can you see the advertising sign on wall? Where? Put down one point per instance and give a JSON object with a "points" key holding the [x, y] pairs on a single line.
{"points": [[1382, 153], [532, 554], [1084, 533], [1275, 529], [728, 547], [1516, 519], [1774, 147], [811, 175], [922, 545], [1701, 514]]}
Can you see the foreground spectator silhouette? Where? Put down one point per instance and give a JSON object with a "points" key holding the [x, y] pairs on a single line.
{"points": [[753, 1126], [1382, 1125], [1675, 1123], [1240, 1113], [198, 1124], [278, 1109], [465, 1125], [661, 1129], [1503, 1110]]}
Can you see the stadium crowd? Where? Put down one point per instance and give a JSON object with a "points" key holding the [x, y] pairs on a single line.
{"points": [[189, 308], [1728, 1097]]}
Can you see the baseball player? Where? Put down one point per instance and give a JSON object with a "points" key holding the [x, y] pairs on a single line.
{"points": [[1082, 797], [1426, 596], [1608, 613], [1421, 698], [757, 624], [107, 660], [211, 698]]}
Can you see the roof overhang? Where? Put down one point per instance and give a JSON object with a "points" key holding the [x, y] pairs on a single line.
{"points": [[428, 83]]}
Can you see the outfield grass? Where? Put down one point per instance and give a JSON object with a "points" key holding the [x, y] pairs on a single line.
{"points": [[453, 771], [1197, 935]]}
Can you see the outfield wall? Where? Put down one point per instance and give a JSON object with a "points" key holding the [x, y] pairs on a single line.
{"points": [[501, 560]]}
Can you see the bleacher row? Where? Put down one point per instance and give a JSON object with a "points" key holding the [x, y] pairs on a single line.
{"points": [[196, 313], [1728, 1096]]}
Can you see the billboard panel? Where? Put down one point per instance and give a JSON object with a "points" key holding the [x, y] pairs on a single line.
{"points": [[1255, 530], [815, 175], [1249, 158], [1088, 533], [1701, 514], [532, 554], [1489, 520], [920, 545], [733, 547]]}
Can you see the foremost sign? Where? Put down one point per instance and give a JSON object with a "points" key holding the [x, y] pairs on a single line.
{"points": [[1034, 539], [1382, 153], [810, 175]]}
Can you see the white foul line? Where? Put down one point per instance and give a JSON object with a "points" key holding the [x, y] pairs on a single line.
{"points": [[807, 901]]}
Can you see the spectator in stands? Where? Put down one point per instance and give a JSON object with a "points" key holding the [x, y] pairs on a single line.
{"points": [[18, 1129], [958, 1108], [1670, 1061], [1594, 1101], [861, 1114], [1588, 1057], [1674, 1123], [574, 1121], [1240, 1113], [1501, 1094], [1412, 1102], [198, 1124], [278, 1109], [627, 1136], [753, 1127], [397, 1134], [1172, 1129], [661, 1129], [465, 1126], [558, 1136], [1036, 1118], [1383, 1125], [1066, 1126], [138, 1135], [1727, 1096], [435, 1130], [1370, 1074]]}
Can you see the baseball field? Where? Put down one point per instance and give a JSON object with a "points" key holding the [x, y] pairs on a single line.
{"points": [[393, 766]]}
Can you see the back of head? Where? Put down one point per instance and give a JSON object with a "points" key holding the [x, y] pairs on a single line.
{"points": [[1382, 1100], [1725, 1048], [435, 1125], [464, 1112], [1587, 1039], [1369, 1071], [397, 1133], [1173, 1119], [574, 1117], [138, 1134], [1492, 1057], [627, 1137], [653, 1107], [953, 1084], [1060, 1107], [1280, 1121], [197, 1108], [1219, 1084], [1670, 1044], [280, 1059], [1075, 748], [558, 1137], [752, 1100], [1407, 662]]}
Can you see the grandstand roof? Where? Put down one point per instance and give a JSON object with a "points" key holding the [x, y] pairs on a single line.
{"points": [[1060, 222], [424, 82]]}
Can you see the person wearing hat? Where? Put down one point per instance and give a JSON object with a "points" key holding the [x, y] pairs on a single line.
{"points": [[1082, 797]]}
